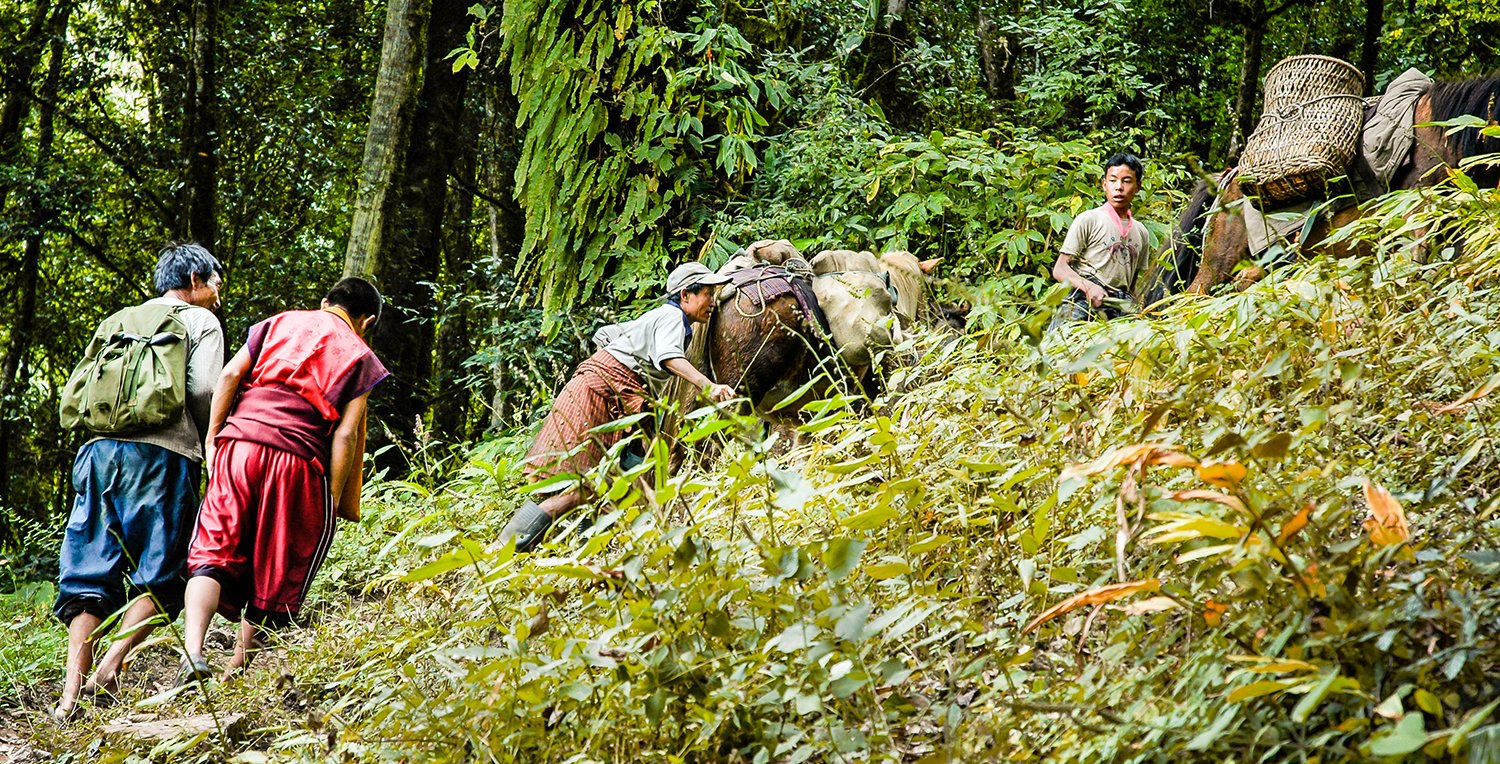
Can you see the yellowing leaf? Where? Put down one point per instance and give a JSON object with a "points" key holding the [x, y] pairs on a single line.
{"points": [[1138, 453], [1185, 526], [1205, 551], [1149, 605], [1257, 689], [1213, 613], [1483, 390], [1199, 494], [1222, 474], [1297, 523], [1108, 593], [1428, 702], [1282, 666], [1387, 524]]}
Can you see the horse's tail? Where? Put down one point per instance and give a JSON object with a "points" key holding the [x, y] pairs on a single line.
{"points": [[1181, 267]]}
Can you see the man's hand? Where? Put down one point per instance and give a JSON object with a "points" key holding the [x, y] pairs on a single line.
{"points": [[718, 393], [1093, 291]]}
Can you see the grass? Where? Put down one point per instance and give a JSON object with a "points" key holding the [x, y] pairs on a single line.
{"points": [[1258, 527]]}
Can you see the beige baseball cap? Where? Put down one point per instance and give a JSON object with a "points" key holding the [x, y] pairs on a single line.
{"points": [[689, 275]]}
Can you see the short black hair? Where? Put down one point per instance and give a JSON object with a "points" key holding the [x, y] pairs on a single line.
{"points": [[177, 264], [357, 296], [1129, 160]]}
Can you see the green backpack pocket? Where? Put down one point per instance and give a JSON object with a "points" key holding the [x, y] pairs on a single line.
{"points": [[133, 376]]}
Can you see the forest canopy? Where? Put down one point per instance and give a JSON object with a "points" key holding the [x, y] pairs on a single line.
{"points": [[515, 174]]}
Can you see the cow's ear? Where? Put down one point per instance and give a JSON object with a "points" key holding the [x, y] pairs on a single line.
{"points": [[928, 266]]}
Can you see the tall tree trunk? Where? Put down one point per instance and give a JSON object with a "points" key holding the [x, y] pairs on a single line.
{"points": [[401, 52], [997, 59], [1249, 86], [201, 138], [1369, 53], [878, 77], [39, 217], [18, 66], [406, 260], [507, 221], [450, 404]]}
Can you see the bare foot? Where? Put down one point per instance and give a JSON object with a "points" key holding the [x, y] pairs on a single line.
{"points": [[101, 686], [66, 709]]}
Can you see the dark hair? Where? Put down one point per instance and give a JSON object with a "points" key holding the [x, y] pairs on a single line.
{"points": [[357, 296], [1128, 160], [696, 288], [177, 264]]}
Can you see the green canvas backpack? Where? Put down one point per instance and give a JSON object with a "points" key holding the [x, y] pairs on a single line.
{"points": [[133, 375]]}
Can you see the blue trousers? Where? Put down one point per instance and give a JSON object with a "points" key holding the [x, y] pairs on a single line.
{"points": [[133, 511]]}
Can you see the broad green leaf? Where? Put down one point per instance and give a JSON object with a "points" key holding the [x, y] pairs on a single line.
{"points": [[840, 555], [1404, 737]]}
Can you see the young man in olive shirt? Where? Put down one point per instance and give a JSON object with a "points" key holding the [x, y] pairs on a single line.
{"points": [[1105, 250]]}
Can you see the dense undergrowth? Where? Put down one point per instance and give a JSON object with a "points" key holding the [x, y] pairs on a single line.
{"points": [[1255, 527]]}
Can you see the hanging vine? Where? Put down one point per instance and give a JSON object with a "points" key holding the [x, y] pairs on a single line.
{"points": [[627, 114]]}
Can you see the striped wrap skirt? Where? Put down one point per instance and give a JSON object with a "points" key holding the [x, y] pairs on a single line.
{"points": [[601, 391]]}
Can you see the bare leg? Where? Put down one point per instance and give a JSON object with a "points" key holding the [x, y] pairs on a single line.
{"points": [[80, 660], [201, 600], [135, 630], [245, 647], [562, 503]]}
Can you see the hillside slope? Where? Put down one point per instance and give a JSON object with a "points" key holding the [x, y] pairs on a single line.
{"points": [[1253, 527]]}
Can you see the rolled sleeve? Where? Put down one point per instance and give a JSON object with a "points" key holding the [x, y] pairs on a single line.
{"points": [[666, 338]]}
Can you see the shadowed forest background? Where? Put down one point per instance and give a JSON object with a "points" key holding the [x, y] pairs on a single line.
{"points": [[513, 174], [559, 172]]}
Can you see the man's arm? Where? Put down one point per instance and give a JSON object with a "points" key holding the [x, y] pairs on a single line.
{"points": [[347, 455], [683, 368], [205, 364], [227, 389], [1063, 272]]}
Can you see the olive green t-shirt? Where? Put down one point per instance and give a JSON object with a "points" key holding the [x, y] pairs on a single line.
{"points": [[1096, 249]]}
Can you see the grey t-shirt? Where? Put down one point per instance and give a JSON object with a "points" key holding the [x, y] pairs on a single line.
{"points": [[1096, 248], [184, 435], [643, 344]]}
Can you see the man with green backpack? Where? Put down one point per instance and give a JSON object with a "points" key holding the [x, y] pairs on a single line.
{"points": [[142, 394]]}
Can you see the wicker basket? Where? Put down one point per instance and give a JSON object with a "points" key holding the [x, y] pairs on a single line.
{"points": [[1309, 131]]}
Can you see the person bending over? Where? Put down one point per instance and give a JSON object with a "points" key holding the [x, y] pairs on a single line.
{"points": [[287, 442], [613, 383]]}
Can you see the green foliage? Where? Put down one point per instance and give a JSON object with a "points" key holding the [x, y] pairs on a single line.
{"points": [[1445, 38], [627, 115], [991, 203], [1090, 70], [1301, 478], [33, 641]]}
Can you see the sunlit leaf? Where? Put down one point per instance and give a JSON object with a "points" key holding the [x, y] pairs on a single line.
{"points": [[1108, 593], [1222, 474], [1387, 523], [1294, 525], [1260, 688]]}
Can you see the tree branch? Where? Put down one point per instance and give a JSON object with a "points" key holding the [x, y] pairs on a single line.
{"points": [[466, 185], [108, 150], [1283, 8], [104, 259]]}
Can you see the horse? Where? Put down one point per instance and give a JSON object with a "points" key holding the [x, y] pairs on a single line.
{"points": [[1226, 241], [769, 341]]}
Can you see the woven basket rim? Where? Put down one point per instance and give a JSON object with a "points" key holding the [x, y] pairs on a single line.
{"points": [[1316, 57]]}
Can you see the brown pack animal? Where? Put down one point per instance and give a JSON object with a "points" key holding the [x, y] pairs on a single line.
{"points": [[1226, 241]]}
